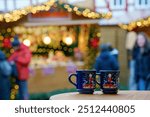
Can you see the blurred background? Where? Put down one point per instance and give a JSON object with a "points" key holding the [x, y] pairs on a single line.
{"points": [[65, 35]]}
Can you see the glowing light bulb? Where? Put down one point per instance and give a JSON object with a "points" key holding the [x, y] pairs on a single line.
{"points": [[47, 40], [139, 23], [68, 40], [27, 42]]}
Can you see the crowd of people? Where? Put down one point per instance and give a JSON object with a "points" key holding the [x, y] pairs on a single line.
{"points": [[16, 66]]}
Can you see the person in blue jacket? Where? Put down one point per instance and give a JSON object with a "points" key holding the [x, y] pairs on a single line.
{"points": [[5, 71], [106, 61]]}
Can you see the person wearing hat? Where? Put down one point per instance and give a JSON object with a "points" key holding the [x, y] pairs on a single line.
{"points": [[106, 61], [5, 71], [21, 57], [113, 51]]}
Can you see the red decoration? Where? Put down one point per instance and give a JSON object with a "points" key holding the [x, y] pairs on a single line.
{"points": [[94, 42], [6, 43]]}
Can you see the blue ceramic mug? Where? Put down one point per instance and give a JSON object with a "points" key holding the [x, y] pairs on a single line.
{"points": [[109, 81], [85, 81]]}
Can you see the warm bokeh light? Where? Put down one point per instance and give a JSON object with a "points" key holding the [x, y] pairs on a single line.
{"points": [[47, 40], [27, 42], [68, 40]]}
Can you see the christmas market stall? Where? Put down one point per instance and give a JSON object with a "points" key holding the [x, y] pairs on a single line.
{"points": [[62, 38]]}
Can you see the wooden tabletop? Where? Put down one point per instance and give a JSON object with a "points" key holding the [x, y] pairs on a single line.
{"points": [[122, 95]]}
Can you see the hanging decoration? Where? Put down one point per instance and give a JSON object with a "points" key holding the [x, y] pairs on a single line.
{"points": [[136, 24], [6, 43], [15, 15], [94, 42], [5, 40], [89, 43]]}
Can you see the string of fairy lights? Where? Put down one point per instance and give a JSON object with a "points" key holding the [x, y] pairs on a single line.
{"points": [[86, 12], [15, 15], [136, 24]]}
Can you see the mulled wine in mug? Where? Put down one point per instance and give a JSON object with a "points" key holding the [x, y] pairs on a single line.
{"points": [[85, 81], [109, 81]]}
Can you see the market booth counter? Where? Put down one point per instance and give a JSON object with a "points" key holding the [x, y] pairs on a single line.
{"points": [[51, 77]]}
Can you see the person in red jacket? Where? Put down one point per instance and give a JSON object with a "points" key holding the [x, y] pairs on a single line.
{"points": [[21, 57]]}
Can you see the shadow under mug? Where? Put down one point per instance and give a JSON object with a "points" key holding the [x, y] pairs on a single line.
{"points": [[109, 81], [85, 81]]}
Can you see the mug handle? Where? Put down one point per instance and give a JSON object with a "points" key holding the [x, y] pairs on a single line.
{"points": [[96, 80], [69, 78]]}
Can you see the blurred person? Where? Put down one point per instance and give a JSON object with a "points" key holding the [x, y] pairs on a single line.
{"points": [[141, 56], [5, 71], [113, 51], [130, 43], [132, 81], [106, 61], [21, 57]]}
